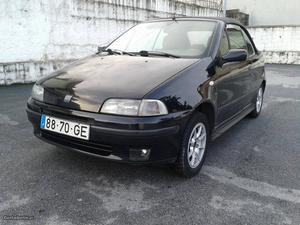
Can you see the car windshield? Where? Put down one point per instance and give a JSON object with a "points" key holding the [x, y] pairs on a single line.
{"points": [[187, 39]]}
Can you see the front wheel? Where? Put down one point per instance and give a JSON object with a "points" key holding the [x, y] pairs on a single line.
{"points": [[194, 145], [258, 104]]}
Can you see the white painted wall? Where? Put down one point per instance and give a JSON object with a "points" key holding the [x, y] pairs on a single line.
{"points": [[39, 36], [268, 12], [280, 44]]}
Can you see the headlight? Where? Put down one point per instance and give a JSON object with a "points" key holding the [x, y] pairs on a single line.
{"points": [[129, 107], [37, 92]]}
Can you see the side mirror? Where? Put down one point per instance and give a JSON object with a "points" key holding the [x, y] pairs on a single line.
{"points": [[234, 55], [101, 48]]}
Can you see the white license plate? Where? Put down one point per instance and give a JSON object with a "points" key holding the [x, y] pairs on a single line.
{"points": [[66, 127]]}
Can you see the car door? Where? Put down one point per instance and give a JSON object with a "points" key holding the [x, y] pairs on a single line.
{"points": [[256, 68], [231, 79]]}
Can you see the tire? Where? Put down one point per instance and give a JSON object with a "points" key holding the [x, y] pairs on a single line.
{"points": [[258, 106], [184, 164]]}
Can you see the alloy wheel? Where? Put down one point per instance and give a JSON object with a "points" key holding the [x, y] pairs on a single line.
{"points": [[196, 145], [259, 100]]}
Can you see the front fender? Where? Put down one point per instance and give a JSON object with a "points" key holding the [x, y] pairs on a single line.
{"points": [[185, 90]]}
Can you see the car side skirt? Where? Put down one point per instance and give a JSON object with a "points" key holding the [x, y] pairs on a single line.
{"points": [[222, 128]]}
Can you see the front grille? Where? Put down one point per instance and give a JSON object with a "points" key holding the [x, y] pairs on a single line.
{"points": [[87, 146]]}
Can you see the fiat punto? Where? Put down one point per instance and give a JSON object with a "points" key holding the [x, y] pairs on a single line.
{"points": [[156, 94]]}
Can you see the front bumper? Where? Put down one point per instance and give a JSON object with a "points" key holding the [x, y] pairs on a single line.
{"points": [[115, 137]]}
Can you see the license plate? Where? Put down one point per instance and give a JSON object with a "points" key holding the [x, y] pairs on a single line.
{"points": [[65, 127]]}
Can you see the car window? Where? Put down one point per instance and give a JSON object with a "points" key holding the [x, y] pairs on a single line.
{"points": [[250, 48], [236, 37], [224, 47], [198, 38], [187, 39]]}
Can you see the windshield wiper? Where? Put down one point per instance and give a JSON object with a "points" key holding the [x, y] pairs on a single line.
{"points": [[157, 53], [118, 52]]}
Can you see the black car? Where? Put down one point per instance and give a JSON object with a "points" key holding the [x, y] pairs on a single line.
{"points": [[157, 94]]}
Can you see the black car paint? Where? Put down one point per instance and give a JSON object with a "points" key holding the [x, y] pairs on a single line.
{"points": [[225, 93], [96, 78]]}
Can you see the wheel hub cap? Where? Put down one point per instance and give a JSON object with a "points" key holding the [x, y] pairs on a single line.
{"points": [[196, 145], [259, 100]]}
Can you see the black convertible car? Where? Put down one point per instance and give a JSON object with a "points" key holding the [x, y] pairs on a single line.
{"points": [[157, 94]]}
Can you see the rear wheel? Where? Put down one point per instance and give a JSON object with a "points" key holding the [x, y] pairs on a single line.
{"points": [[194, 145], [258, 104]]}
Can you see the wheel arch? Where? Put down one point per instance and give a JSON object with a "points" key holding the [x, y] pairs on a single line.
{"points": [[264, 83], [208, 109]]}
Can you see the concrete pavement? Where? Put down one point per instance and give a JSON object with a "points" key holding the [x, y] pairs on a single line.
{"points": [[251, 175]]}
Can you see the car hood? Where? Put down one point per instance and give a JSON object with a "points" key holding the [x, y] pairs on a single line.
{"points": [[92, 80]]}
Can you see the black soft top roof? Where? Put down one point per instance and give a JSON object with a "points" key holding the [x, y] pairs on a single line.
{"points": [[223, 19]]}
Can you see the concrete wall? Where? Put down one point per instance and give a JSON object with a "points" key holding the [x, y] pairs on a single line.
{"points": [[268, 12], [280, 44], [39, 36]]}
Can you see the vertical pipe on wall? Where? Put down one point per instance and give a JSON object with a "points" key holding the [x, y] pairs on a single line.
{"points": [[224, 7]]}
